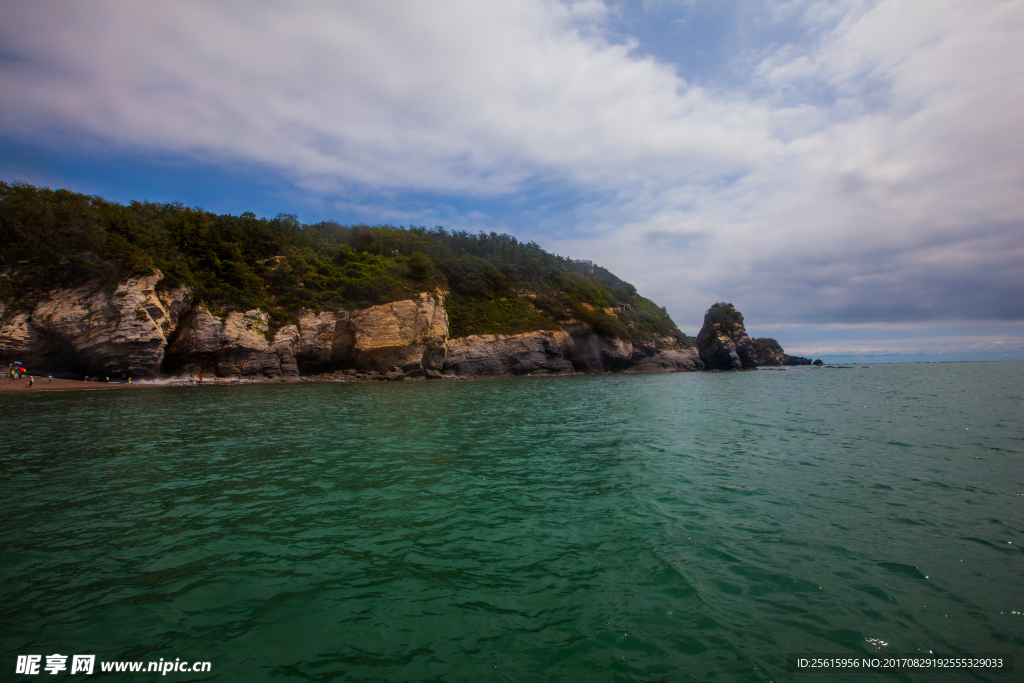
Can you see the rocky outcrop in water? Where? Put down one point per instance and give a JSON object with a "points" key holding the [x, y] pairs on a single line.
{"points": [[723, 343], [768, 352]]}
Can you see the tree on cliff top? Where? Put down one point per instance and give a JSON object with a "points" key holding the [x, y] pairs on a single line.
{"points": [[725, 316], [57, 238]]}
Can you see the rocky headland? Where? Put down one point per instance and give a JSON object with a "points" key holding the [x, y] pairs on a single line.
{"points": [[132, 330], [91, 287]]}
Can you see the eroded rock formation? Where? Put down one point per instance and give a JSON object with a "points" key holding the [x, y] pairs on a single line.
{"points": [[723, 343], [518, 354], [92, 330], [135, 331]]}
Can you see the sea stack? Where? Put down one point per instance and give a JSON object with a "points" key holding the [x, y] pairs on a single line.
{"points": [[723, 343]]}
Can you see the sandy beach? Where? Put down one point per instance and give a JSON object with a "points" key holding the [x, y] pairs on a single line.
{"points": [[15, 386]]}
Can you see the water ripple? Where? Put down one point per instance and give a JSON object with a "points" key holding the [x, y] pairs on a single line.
{"points": [[611, 528]]}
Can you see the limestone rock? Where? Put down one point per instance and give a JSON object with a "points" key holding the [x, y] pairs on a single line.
{"points": [[93, 330], [314, 344], [236, 346], [21, 341], [723, 343], [168, 308], [403, 336], [594, 353], [665, 360], [517, 354], [408, 334]]}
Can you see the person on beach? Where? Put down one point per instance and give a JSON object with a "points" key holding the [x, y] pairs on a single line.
{"points": [[200, 379], [49, 379]]}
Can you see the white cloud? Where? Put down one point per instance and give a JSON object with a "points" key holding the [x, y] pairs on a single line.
{"points": [[871, 172], [469, 97]]}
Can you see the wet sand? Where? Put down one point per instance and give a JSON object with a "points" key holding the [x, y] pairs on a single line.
{"points": [[17, 386]]}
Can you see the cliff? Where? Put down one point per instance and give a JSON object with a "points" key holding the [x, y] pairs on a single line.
{"points": [[135, 331]]}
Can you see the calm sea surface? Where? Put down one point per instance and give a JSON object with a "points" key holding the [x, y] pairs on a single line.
{"points": [[591, 528]]}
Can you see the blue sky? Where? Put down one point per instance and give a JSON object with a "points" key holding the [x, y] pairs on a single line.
{"points": [[846, 172]]}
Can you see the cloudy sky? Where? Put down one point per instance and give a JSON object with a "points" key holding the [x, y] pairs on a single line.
{"points": [[849, 173]]}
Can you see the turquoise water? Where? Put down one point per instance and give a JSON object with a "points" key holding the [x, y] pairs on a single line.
{"points": [[587, 528]]}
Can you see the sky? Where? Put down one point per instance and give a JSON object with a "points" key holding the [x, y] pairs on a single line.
{"points": [[848, 173]]}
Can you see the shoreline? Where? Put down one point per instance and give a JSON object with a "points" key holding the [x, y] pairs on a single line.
{"points": [[9, 387], [14, 387], [17, 386]]}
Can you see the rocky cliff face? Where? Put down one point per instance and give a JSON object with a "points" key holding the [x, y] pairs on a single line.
{"points": [[594, 353], [410, 335], [95, 331], [574, 349], [723, 343], [134, 331], [518, 354]]}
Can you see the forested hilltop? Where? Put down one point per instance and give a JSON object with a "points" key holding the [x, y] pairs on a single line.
{"points": [[495, 284]]}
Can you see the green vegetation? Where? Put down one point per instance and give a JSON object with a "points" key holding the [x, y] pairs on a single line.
{"points": [[725, 315], [766, 344], [495, 284]]}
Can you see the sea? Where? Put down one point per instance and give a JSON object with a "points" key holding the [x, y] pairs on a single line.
{"points": [[671, 527]]}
